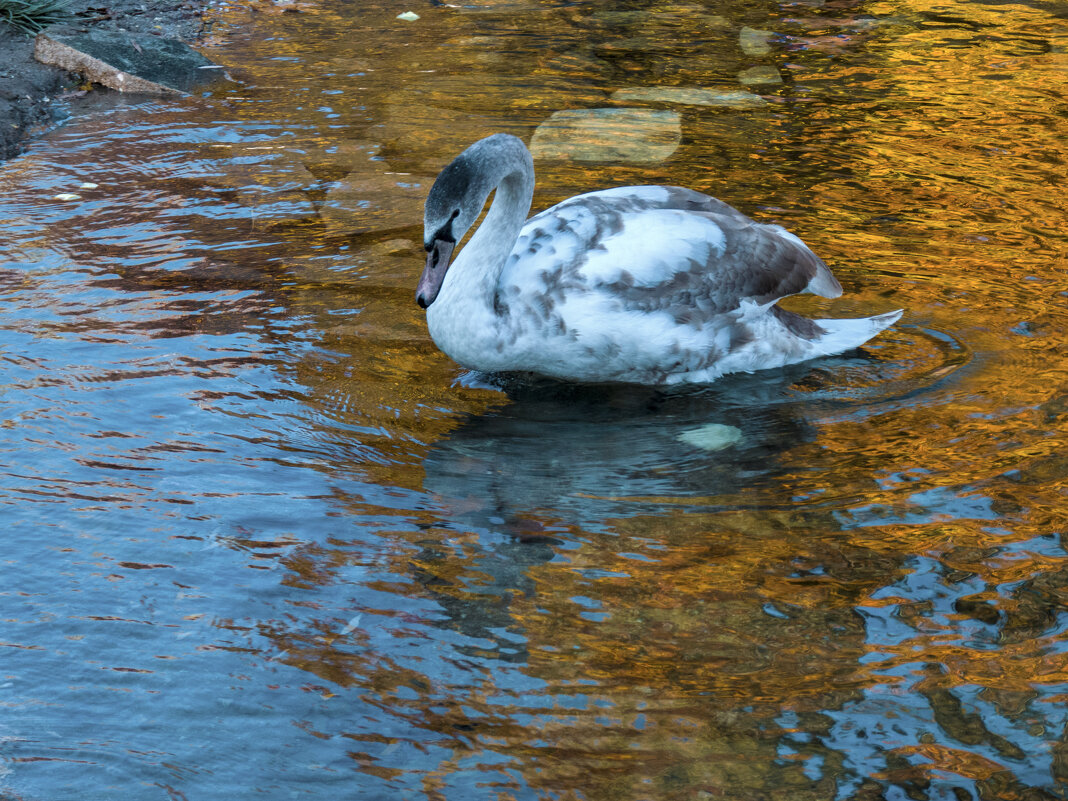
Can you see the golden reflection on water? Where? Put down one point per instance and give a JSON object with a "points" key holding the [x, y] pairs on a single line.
{"points": [[937, 192], [863, 600]]}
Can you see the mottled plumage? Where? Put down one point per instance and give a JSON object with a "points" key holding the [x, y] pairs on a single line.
{"points": [[648, 284]]}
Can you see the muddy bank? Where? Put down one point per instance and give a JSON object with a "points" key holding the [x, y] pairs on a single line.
{"points": [[34, 96]]}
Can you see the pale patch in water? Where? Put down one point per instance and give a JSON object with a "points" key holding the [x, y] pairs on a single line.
{"points": [[711, 437]]}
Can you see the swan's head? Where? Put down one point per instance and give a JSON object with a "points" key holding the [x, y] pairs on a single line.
{"points": [[455, 201]]}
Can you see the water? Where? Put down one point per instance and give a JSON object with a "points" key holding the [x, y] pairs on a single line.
{"points": [[263, 540]]}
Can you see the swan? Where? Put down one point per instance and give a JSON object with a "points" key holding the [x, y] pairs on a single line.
{"points": [[638, 284]]}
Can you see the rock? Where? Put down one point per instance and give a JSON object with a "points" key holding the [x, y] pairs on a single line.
{"points": [[126, 62], [711, 437], [689, 96], [755, 42], [633, 135], [760, 76], [391, 247], [367, 202]]}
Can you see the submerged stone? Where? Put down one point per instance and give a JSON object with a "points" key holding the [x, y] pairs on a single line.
{"points": [[633, 135], [711, 437], [755, 42], [760, 76], [369, 202], [126, 62], [689, 96]]}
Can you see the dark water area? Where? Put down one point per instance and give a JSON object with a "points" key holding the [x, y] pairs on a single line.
{"points": [[262, 540]]}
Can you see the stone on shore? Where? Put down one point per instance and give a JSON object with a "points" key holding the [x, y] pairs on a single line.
{"points": [[629, 135], [126, 62], [689, 96]]}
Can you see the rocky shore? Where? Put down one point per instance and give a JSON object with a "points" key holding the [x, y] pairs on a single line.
{"points": [[34, 96]]}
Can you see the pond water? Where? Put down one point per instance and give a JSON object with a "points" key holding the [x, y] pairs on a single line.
{"points": [[262, 540]]}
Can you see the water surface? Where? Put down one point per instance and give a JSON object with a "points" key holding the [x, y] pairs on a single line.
{"points": [[263, 540]]}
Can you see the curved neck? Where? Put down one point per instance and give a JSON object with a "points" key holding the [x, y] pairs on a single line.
{"points": [[476, 271], [495, 237], [466, 319]]}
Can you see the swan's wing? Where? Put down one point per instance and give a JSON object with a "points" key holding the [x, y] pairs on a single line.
{"points": [[660, 249]]}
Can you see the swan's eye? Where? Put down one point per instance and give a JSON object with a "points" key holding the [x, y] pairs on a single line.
{"points": [[455, 214]]}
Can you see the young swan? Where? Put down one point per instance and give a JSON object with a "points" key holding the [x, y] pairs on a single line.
{"points": [[644, 284]]}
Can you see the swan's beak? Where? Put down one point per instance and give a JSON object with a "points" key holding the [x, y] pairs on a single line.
{"points": [[437, 262]]}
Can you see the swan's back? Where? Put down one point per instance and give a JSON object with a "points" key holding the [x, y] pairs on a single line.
{"points": [[662, 248], [652, 282]]}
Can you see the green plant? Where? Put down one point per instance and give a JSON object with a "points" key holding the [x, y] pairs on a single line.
{"points": [[31, 16]]}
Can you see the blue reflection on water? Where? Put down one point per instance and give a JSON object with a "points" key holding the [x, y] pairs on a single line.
{"points": [[887, 725]]}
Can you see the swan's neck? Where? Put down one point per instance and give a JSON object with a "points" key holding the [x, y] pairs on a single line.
{"points": [[467, 315], [478, 267]]}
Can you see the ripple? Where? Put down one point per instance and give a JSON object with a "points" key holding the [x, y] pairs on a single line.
{"points": [[904, 362]]}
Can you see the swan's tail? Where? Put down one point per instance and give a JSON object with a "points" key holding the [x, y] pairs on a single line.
{"points": [[843, 335]]}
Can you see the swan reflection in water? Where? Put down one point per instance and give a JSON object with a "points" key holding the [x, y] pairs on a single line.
{"points": [[559, 462], [584, 453]]}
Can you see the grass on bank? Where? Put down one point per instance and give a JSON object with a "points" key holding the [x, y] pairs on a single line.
{"points": [[33, 16]]}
